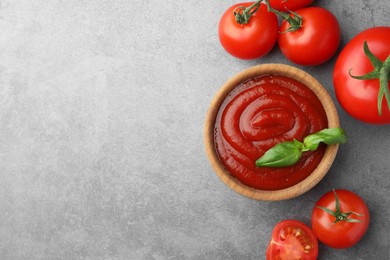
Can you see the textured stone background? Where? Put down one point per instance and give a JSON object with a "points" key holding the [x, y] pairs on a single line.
{"points": [[102, 105]]}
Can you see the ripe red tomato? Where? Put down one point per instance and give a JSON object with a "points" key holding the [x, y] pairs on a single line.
{"points": [[315, 42], [289, 5], [360, 97], [340, 229], [252, 40], [292, 239]]}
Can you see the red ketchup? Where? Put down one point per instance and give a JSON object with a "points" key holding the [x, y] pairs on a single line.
{"points": [[258, 114]]}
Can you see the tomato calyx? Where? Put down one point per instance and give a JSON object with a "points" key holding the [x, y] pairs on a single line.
{"points": [[294, 19], [382, 72], [338, 214], [243, 14]]}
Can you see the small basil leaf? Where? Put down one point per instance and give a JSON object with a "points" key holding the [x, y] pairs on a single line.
{"points": [[282, 154], [327, 136]]}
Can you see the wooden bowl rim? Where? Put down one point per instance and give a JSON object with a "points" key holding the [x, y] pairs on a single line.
{"points": [[235, 184]]}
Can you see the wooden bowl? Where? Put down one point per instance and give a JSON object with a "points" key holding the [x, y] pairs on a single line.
{"points": [[314, 177]]}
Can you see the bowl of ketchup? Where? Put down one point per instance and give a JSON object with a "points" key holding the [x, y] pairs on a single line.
{"points": [[257, 109]]}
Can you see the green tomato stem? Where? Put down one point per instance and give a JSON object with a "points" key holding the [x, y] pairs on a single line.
{"points": [[243, 14], [383, 83], [338, 214], [295, 20], [382, 72]]}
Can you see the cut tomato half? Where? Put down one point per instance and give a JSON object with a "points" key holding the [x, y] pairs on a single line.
{"points": [[292, 240]]}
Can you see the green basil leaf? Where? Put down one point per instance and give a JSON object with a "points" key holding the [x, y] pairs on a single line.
{"points": [[282, 154], [288, 153], [327, 136]]}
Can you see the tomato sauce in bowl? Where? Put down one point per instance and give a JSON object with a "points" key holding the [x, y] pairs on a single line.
{"points": [[260, 113], [258, 108]]}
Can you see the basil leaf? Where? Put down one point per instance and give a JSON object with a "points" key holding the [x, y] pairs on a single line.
{"points": [[327, 136], [282, 154], [288, 153]]}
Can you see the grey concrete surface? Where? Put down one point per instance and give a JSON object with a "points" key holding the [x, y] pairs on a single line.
{"points": [[102, 105]]}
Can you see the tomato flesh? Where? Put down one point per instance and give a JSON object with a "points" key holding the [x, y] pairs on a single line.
{"points": [[292, 240]]}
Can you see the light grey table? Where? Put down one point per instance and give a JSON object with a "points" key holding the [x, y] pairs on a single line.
{"points": [[102, 105]]}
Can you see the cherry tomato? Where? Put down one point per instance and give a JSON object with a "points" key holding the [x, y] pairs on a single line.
{"points": [[289, 5], [340, 224], [292, 239], [315, 42], [252, 40], [359, 98]]}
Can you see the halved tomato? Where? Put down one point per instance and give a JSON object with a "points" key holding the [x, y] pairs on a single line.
{"points": [[292, 239]]}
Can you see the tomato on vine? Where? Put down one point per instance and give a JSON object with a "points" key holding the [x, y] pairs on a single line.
{"points": [[309, 36], [248, 30], [361, 76], [340, 218], [292, 239]]}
